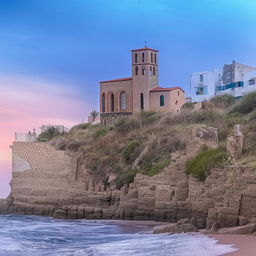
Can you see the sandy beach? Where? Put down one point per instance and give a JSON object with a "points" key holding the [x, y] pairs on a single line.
{"points": [[246, 244]]}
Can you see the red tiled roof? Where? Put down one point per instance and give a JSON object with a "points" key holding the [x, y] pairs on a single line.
{"points": [[161, 89], [117, 80], [143, 49]]}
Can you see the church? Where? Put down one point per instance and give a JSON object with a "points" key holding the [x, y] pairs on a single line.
{"points": [[141, 92]]}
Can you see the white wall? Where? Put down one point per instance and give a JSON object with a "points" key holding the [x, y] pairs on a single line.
{"points": [[210, 80]]}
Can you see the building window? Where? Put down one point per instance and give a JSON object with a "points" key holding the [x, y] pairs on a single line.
{"points": [[143, 70], [141, 101], [155, 57], [150, 71], [123, 101], [136, 57], [136, 70], [151, 57], [154, 71], [201, 78], [178, 93], [176, 102], [112, 102], [161, 100], [251, 82], [143, 57], [103, 103]]}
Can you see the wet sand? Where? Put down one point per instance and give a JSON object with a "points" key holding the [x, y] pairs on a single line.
{"points": [[246, 244]]}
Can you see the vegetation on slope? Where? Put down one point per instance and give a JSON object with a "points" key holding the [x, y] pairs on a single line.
{"points": [[201, 165], [49, 134], [143, 143]]}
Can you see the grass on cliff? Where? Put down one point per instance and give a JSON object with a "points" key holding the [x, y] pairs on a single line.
{"points": [[201, 165], [143, 143]]}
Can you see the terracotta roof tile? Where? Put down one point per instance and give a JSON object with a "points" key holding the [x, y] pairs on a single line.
{"points": [[117, 80], [161, 89]]}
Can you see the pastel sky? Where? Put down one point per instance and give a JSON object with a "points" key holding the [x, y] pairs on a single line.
{"points": [[53, 53]]}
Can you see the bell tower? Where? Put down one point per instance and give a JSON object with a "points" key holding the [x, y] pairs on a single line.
{"points": [[144, 75]]}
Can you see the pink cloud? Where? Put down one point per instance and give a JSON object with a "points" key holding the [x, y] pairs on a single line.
{"points": [[27, 104]]}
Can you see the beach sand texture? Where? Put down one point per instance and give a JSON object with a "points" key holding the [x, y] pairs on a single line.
{"points": [[246, 244]]}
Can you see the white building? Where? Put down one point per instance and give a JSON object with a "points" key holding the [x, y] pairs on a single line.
{"points": [[236, 79], [203, 85]]}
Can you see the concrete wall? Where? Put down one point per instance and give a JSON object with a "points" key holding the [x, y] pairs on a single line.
{"points": [[211, 79]]}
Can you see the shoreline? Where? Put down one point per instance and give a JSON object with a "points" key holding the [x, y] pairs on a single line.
{"points": [[245, 244]]}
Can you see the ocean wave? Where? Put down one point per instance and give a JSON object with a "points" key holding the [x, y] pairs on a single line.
{"points": [[41, 236]]}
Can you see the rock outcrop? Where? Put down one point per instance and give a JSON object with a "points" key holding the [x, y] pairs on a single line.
{"points": [[50, 182], [182, 226]]}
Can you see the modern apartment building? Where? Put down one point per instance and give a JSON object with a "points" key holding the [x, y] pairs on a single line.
{"points": [[236, 79]]}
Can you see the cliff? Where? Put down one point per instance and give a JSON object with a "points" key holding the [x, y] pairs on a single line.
{"points": [[60, 183]]}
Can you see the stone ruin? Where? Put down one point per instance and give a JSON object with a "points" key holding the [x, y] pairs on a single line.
{"points": [[235, 142]]}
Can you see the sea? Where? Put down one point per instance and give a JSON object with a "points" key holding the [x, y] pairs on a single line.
{"points": [[44, 236]]}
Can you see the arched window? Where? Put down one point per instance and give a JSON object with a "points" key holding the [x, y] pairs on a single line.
{"points": [[103, 103], [112, 102], [161, 100], [143, 70], [123, 101], [154, 71], [155, 57], [136, 57], [178, 93], [152, 57], [136, 70], [141, 101], [143, 57], [150, 71]]}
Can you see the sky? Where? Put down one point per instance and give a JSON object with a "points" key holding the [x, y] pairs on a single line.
{"points": [[53, 53]]}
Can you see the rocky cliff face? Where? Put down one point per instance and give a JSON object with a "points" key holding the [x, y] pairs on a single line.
{"points": [[50, 182]]}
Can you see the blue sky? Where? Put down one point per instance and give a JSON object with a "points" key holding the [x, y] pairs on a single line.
{"points": [[53, 53]]}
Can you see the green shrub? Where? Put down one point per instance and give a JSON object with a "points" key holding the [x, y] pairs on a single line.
{"points": [[126, 124], [49, 134], [148, 117], [102, 131], [223, 101], [202, 164], [246, 104], [125, 177], [188, 105], [129, 153], [157, 168]]}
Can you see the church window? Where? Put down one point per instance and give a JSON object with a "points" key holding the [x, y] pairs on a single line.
{"points": [[136, 57], [178, 93], [150, 69], [141, 101], [112, 102], [103, 103], [143, 70], [152, 57], [176, 102], [123, 101], [136, 70], [161, 100], [154, 71], [155, 57], [143, 57]]}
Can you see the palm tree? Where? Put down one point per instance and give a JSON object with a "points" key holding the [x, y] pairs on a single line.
{"points": [[94, 114]]}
